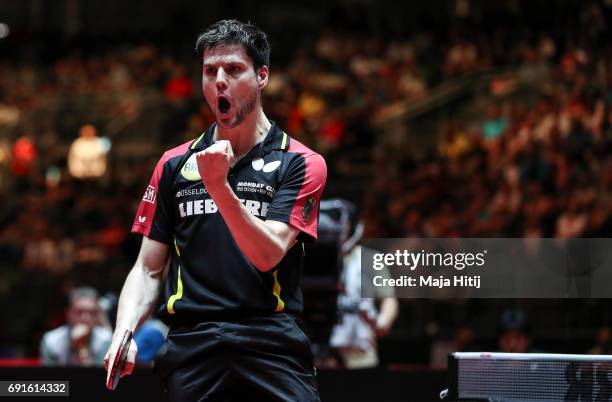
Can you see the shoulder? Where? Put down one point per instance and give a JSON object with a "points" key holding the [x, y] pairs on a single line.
{"points": [[313, 160], [170, 161], [296, 147], [56, 336], [57, 333], [176, 152]]}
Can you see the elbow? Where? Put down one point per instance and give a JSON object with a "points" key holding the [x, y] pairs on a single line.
{"points": [[268, 252], [266, 260], [266, 264]]}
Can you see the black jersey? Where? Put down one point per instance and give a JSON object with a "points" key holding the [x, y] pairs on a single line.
{"points": [[209, 277]]}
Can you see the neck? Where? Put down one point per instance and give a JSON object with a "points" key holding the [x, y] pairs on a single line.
{"points": [[247, 134]]}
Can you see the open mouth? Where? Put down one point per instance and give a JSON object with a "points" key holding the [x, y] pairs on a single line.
{"points": [[223, 105]]}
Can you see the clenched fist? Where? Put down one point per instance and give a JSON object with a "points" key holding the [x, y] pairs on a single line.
{"points": [[214, 163]]}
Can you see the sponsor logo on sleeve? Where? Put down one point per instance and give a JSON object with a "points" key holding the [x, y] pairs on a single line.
{"points": [[150, 194], [308, 209]]}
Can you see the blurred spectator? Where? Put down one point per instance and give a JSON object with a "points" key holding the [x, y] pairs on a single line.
{"points": [[179, 86], [82, 341], [461, 58], [88, 154], [24, 156], [514, 334], [495, 124], [603, 343], [454, 143], [463, 341], [572, 222], [361, 322]]}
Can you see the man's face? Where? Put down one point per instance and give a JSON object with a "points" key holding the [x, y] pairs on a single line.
{"points": [[230, 84], [513, 341], [84, 310]]}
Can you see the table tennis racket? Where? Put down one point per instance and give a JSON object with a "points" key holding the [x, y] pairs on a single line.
{"points": [[119, 361]]}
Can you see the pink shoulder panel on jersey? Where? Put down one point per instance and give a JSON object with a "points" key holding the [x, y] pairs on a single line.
{"points": [[306, 208]]}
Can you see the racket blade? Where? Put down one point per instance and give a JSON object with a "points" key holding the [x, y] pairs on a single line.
{"points": [[119, 361]]}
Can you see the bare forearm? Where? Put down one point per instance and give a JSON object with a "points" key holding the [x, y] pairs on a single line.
{"points": [[264, 243], [258, 241], [138, 297], [389, 308]]}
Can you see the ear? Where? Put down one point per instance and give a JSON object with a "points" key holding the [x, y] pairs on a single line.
{"points": [[262, 77]]}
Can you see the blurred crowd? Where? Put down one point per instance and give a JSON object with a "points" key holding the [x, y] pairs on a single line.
{"points": [[520, 168]]}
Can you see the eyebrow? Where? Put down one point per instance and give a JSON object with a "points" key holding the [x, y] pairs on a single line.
{"points": [[228, 63]]}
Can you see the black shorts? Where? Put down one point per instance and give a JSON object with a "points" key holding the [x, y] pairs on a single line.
{"points": [[255, 359]]}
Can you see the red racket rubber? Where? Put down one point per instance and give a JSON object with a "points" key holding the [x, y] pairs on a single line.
{"points": [[119, 361]]}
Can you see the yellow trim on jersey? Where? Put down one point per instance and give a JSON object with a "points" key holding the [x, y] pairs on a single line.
{"points": [[198, 140], [177, 295], [284, 143], [176, 247], [280, 304], [301, 243], [179, 285]]}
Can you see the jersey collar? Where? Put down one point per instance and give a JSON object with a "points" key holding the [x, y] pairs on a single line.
{"points": [[204, 140], [276, 139]]}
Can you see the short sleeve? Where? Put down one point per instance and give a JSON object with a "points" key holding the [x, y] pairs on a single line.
{"points": [[296, 201], [154, 216]]}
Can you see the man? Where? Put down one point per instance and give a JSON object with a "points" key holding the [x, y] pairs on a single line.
{"points": [[514, 333], [87, 156], [225, 216], [82, 341], [361, 322]]}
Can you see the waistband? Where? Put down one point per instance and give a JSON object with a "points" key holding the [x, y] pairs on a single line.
{"points": [[192, 320]]}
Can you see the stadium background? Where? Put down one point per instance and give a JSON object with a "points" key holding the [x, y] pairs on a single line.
{"points": [[447, 118]]}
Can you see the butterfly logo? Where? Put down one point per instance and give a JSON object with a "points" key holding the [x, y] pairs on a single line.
{"points": [[258, 164]]}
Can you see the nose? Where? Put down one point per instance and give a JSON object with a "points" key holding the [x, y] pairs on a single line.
{"points": [[221, 79]]}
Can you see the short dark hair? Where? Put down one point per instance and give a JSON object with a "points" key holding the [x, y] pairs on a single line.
{"points": [[233, 32]]}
